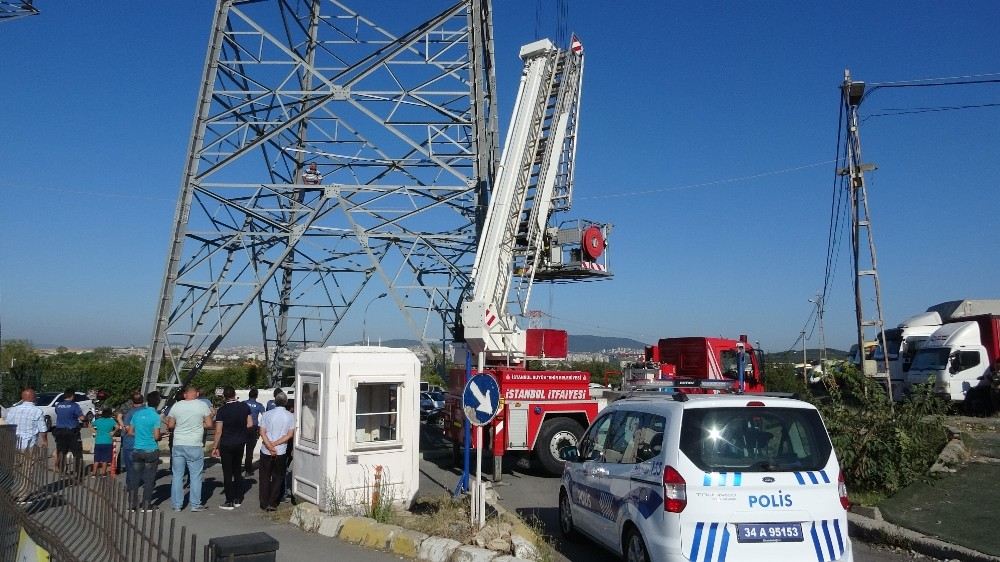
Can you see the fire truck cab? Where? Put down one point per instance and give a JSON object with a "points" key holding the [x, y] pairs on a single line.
{"points": [[699, 358]]}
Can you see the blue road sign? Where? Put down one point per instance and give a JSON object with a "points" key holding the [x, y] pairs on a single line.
{"points": [[481, 399]]}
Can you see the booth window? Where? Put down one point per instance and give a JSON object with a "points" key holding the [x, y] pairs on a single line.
{"points": [[309, 426], [377, 413]]}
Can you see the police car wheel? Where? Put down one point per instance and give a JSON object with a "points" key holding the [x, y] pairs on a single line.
{"points": [[556, 433], [565, 515], [635, 547]]}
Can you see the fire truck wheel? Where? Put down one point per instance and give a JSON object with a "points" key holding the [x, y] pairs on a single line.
{"points": [[556, 433]]}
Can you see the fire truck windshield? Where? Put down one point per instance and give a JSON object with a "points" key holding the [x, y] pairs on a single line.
{"points": [[728, 363]]}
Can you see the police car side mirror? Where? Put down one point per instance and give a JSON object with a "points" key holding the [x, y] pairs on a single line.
{"points": [[569, 454]]}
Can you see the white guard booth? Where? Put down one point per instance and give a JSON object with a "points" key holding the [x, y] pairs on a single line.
{"points": [[357, 408]]}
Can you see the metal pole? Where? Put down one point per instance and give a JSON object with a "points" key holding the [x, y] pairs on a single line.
{"points": [[479, 496], [364, 320], [805, 376], [740, 364], [467, 428], [820, 305]]}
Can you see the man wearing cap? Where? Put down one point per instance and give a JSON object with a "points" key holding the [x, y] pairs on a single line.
{"points": [[67, 431]]}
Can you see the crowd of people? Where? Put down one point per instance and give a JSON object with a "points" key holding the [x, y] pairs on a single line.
{"points": [[237, 427]]}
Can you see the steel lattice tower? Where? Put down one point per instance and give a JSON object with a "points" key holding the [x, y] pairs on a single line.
{"points": [[13, 9], [328, 154]]}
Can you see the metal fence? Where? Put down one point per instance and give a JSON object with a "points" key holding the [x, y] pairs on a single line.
{"points": [[79, 519]]}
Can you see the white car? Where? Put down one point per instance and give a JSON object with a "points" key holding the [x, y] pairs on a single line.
{"points": [[47, 402], [678, 477], [436, 398]]}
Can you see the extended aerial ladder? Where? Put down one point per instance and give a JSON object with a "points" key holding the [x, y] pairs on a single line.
{"points": [[534, 179]]}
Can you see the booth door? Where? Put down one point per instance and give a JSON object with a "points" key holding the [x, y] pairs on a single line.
{"points": [[308, 470]]}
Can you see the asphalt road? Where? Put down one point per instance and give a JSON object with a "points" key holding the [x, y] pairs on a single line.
{"points": [[533, 495]]}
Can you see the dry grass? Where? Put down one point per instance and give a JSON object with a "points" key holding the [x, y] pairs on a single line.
{"points": [[543, 543], [439, 516]]}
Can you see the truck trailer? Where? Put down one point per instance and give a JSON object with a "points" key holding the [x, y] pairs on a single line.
{"points": [[957, 356]]}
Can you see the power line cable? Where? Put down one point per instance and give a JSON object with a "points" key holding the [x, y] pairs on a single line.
{"points": [[709, 183], [939, 79], [926, 84], [597, 327], [917, 110], [834, 203]]}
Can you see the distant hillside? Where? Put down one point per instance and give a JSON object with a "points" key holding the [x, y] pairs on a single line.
{"points": [[592, 344], [811, 354], [390, 343]]}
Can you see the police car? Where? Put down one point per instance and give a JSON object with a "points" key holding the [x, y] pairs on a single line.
{"points": [[707, 478]]}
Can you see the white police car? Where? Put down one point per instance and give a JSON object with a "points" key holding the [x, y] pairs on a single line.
{"points": [[707, 478]]}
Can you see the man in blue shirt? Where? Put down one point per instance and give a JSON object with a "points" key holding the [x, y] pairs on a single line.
{"points": [[144, 427], [270, 403], [67, 432], [128, 442], [256, 408]]}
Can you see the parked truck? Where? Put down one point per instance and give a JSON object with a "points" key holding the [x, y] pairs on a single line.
{"points": [[904, 341], [957, 356]]}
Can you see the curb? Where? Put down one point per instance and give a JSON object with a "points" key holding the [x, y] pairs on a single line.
{"points": [[369, 533], [881, 532]]}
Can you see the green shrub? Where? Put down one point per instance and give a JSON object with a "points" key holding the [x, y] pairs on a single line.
{"points": [[882, 447]]}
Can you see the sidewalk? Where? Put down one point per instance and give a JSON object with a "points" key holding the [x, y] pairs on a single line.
{"points": [[295, 543]]}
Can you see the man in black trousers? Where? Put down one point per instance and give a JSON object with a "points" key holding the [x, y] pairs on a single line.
{"points": [[231, 424]]}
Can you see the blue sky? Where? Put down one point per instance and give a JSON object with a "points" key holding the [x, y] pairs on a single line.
{"points": [[98, 107]]}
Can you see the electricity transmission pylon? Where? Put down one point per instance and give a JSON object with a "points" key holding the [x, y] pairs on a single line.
{"points": [[13, 9], [331, 157], [862, 240]]}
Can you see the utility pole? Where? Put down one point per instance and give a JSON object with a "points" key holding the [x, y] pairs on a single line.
{"points": [[805, 376], [865, 262], [818, 301]]}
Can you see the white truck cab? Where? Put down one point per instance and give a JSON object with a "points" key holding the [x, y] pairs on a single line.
{"points": [[953, 359], [903, 342], [671, 478]]}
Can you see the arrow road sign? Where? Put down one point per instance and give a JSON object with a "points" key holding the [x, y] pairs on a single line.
{"points": [[481, 399]]}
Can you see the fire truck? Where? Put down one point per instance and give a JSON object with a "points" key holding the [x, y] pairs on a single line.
{"points": [[541, 411], [698, 358]]}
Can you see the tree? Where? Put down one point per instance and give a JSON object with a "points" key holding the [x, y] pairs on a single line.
{"points": [[18, 365]]}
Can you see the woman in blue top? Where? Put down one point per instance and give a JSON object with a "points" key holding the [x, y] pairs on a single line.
{"points": [[104, 429]]}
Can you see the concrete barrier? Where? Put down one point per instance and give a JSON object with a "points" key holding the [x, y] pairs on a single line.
{"points": [[404, 542]]}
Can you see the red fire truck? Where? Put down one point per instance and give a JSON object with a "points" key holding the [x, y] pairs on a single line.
{"points": [[691, 358], [541, 412]]}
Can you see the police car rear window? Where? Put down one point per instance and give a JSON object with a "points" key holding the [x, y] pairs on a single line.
{"points": [[755, 439]]}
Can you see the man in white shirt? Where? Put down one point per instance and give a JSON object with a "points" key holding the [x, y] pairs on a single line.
{"points": [[30, 422], [277, 428], [188, 419], [31, 431]]}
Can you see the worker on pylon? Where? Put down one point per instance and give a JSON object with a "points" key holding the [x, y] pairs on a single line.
{"points": [[311, 175]]}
